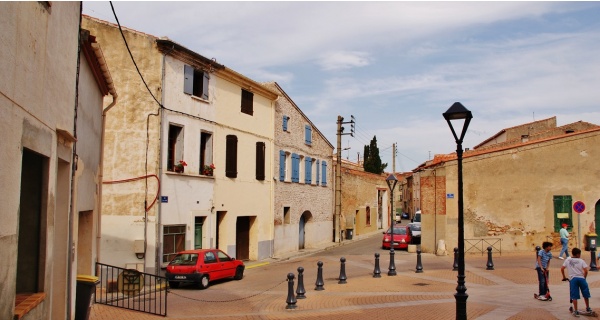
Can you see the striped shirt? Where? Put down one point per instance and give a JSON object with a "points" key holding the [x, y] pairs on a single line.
{"points": [[544, 257]]}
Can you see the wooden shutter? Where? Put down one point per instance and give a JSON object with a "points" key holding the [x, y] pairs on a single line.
{"points": [[247, 100], [231, 156], [188, 80], [324, 173], [205, 85], [281, 165], [562, 211], [295, 167], [285, 123], [307, 134], [307, 170], [260, 161], [318, 169]]}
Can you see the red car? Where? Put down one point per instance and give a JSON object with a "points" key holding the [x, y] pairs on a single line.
{"points": [[402, 237], [202, 266]]}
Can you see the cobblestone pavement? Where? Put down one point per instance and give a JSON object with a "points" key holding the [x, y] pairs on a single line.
{"points": [[503, 293]]}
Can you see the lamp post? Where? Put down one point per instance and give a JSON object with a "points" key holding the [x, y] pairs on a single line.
{"points": [[391, 182], [458, 112]]}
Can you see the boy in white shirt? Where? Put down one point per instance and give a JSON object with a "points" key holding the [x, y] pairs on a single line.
{"points": [[578, 271]]}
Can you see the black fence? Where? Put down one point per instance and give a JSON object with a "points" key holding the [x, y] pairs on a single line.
{"points": [[131, 289], [481, 245]]}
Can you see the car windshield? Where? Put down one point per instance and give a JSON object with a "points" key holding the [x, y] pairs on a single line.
{"points": [[184, 259], [397, 230], [415, 227]]}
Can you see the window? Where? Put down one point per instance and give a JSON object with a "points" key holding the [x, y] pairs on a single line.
{"points": [[307, 134], [317, 171], [301, 169], [173, 241], [247, 102], [209, 257], [323, 173], [295, 167], [368, 215], [231, 156], [285, 122], [286, 215], [175, 151], [260, 161], [308, 170], [206, 151], [222, 256], [282, 165], [562, 211], [195, 82]]}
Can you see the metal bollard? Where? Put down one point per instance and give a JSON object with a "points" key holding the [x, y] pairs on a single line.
{"points": [[490, 263], [419, 265], [291, 299], [377, 271], [319, 284], [300, 292], [392, 267], [455, 265], [593, 266], [342, 271]]}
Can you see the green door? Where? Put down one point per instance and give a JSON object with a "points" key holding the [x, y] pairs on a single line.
{"points": [[597, 217], [198, 232], [562, 211]]}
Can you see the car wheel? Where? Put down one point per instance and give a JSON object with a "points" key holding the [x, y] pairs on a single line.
{"points": [[203, 282], [239, 273], [173, 284]]}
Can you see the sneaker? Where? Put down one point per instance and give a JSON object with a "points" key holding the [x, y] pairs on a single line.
{"points": [[576, 313], [588, 310], [543, 298], [561, 258]]}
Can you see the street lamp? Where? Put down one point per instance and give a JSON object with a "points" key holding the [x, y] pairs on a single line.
{"points": [[391, 182], [458, 112]]}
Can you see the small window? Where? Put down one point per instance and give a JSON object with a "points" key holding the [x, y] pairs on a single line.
{"points": [[282, 160], [324, 173], [223, 257], [195, 82], [295, 167], [173, 241], [175, 149], [307, 170], [318, 171], [308, 135], [260, 161], [231, 156], [286, 215], [209, 257], [247, 102]]}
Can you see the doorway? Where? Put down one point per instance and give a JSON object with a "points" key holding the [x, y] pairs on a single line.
{"points": [[198, 223], [242, 239], [597, 216], [301, 232]]}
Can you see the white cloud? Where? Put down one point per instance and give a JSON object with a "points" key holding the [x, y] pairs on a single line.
{"points": [[343, 60]]}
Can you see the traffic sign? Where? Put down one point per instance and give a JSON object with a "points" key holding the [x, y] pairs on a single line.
{"points": [[579, 206]]}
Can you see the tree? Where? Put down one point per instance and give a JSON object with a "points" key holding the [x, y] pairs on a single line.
{"points": [[372, 161]]}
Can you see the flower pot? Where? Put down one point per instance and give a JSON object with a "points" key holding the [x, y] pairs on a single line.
{"points": [[178, 169]]}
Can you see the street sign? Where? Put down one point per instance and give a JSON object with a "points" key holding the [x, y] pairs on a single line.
{"points": [[164, 199], [450, 195], [579, 206]]}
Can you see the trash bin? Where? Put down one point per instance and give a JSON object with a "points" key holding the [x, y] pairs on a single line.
{"points": [[86, 287], [589, 240], [349, 234]]}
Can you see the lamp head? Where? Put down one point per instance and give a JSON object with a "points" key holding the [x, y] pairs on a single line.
{"points": [[391, 181], [458, 112]]}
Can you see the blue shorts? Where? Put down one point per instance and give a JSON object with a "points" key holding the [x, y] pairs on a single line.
{"points": [[575, 285]]}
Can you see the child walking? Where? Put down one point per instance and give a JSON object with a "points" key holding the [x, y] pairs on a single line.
{"points": [[542, 266], [578, 271]]}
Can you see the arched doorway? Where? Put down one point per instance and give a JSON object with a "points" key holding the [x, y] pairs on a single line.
{"points": [[304, 220]]}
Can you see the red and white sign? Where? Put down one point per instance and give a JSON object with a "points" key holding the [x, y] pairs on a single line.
{"points": [[579, 206]]}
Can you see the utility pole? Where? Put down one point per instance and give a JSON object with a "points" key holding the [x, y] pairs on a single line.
{"points": [[338, 177], [394, 157]]}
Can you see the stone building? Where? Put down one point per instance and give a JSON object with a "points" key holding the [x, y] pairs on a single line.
{"points": [[517, 191], [51, 122], [303, 197]]}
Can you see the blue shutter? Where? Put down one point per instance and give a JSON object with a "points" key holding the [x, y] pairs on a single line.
{"points": [[308, 170], [285, 121], [281, 165], [307, 134], [318, 171], [295, 167], [188, 79], [324, 173]]}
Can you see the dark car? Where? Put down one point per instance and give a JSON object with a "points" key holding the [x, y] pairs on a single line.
{"points": [[415, 228], [202, 266], [402, 238], [405, 215]]}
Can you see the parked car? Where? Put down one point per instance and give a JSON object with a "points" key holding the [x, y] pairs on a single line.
{"points": [[202, 266], [405, 215], [417, 217], [402, 237], [415, 228]]}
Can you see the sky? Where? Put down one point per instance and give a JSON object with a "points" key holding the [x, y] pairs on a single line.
{"points": [[397, 66]]}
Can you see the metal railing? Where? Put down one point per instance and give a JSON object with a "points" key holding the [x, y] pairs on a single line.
{"points": [[131, 289], [481, 245]]}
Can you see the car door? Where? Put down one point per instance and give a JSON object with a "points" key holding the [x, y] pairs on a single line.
{"points": [[227, 264], [211, 265]]}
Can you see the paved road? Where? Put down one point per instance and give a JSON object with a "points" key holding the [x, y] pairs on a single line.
{"points": [[503, 293]]}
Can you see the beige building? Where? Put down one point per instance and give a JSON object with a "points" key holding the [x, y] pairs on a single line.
{"points": [[303, 200], [51, 121], [190, 110], [518, 191]]}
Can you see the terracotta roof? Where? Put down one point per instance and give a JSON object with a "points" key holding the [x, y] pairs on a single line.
{"points": [[510, 128]]}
